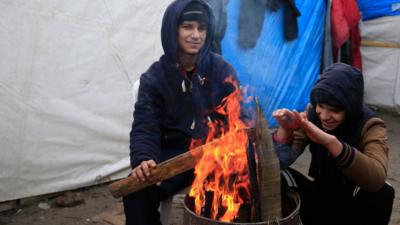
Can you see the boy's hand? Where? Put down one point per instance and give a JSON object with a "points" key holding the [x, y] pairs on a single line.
{"points": [[143, 170]]}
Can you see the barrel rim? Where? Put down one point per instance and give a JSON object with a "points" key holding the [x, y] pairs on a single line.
{"points": [[295, 212]]}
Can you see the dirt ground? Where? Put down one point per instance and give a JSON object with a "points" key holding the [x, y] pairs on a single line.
{"points": [[99, 207]]}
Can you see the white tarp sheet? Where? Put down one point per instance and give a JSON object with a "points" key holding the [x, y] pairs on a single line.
{"points": [[66, 75], [381, 66]]}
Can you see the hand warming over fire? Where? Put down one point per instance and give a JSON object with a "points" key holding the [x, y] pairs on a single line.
{"points": [[143, 170], [315, 134], [288, 121]]}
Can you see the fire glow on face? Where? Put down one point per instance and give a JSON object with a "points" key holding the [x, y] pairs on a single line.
{"points": [[223, 169]]}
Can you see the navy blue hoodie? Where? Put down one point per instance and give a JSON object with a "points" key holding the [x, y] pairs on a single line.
{"points": [[166, 117]]}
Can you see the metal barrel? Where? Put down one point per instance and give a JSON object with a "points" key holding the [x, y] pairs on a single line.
{"points": [[291, 214]]}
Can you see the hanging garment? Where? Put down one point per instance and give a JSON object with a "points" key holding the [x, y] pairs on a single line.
{"points": [[345, 17], [251, 20]]}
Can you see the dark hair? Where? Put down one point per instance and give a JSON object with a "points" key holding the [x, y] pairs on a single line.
{"points": [[320, 96]]}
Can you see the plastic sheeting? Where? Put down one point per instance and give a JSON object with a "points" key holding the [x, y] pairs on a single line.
{"points": [[279, 73], [67, 70], [371, 9], [381, 66]]}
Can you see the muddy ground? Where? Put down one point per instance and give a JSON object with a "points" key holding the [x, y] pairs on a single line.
{"points": [[99, 207]]}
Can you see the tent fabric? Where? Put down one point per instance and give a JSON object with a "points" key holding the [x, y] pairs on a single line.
{"points": [[381, 66], [279, 73], [68, 75], [67, 70], [371, 9]]}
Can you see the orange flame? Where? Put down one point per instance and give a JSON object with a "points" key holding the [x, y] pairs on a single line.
{"points": [[223, 168]]}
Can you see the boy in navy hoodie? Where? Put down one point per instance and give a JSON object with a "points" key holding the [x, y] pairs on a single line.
{"points": [[176, 98]]}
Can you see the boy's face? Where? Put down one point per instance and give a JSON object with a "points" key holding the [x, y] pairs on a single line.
{"points": [[330, 117], [191, 37]]}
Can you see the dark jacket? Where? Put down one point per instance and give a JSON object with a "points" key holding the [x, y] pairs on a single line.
{"points": [[166, 117]]}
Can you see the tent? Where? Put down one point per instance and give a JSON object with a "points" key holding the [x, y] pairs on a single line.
{"points": [[381, 52], [67, 70]]}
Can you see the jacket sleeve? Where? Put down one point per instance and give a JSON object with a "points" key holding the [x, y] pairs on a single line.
{"points": [[145, 135], [368, 167], [289, 152]]}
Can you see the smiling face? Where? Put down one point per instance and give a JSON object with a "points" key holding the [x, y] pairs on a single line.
{"points": [[191, 37], [331, 117]]}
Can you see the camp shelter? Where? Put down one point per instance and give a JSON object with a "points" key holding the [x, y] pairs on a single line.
{"points": [[68, 68]]}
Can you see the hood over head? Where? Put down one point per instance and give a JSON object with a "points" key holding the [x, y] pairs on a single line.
{"points": [[171, 20], [195, 11], [340, 85]]}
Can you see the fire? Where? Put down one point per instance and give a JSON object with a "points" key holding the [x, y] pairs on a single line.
{"points": [[222, 169]]}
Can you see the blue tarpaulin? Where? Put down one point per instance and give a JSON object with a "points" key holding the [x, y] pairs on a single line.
{"points": [[371, 9], [279, 73]]}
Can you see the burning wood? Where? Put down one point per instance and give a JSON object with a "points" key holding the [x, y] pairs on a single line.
{"points": [[222, 171], [188, 160], [222, 177], [162, 171]]}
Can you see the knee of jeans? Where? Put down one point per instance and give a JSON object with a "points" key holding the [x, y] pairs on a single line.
{"points": [[386, 193], [389, 190]]}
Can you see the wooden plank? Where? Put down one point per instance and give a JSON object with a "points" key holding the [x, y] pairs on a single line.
{"points": [[162, 171], [380, 44], [269, 171]]}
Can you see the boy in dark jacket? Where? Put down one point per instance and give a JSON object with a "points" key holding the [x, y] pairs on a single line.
{"points": [[176, 98], [349, 151]]}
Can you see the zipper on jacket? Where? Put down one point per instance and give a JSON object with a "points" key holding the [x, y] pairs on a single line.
{"points": [[193, 125]]}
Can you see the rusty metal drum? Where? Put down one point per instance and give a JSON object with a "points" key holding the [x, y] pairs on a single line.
{"points": [[291, 210]]}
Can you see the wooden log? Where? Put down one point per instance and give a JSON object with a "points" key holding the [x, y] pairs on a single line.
{"points": [[268, 170], [162, 171], [380, 44]]}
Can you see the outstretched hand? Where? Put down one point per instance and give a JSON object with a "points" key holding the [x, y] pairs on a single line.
{"points": [[289, 120], [293, 120], [314, 133]]}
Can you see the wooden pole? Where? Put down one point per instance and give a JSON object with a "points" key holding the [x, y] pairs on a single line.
{"points": [[162, 171], [380, 44]]}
